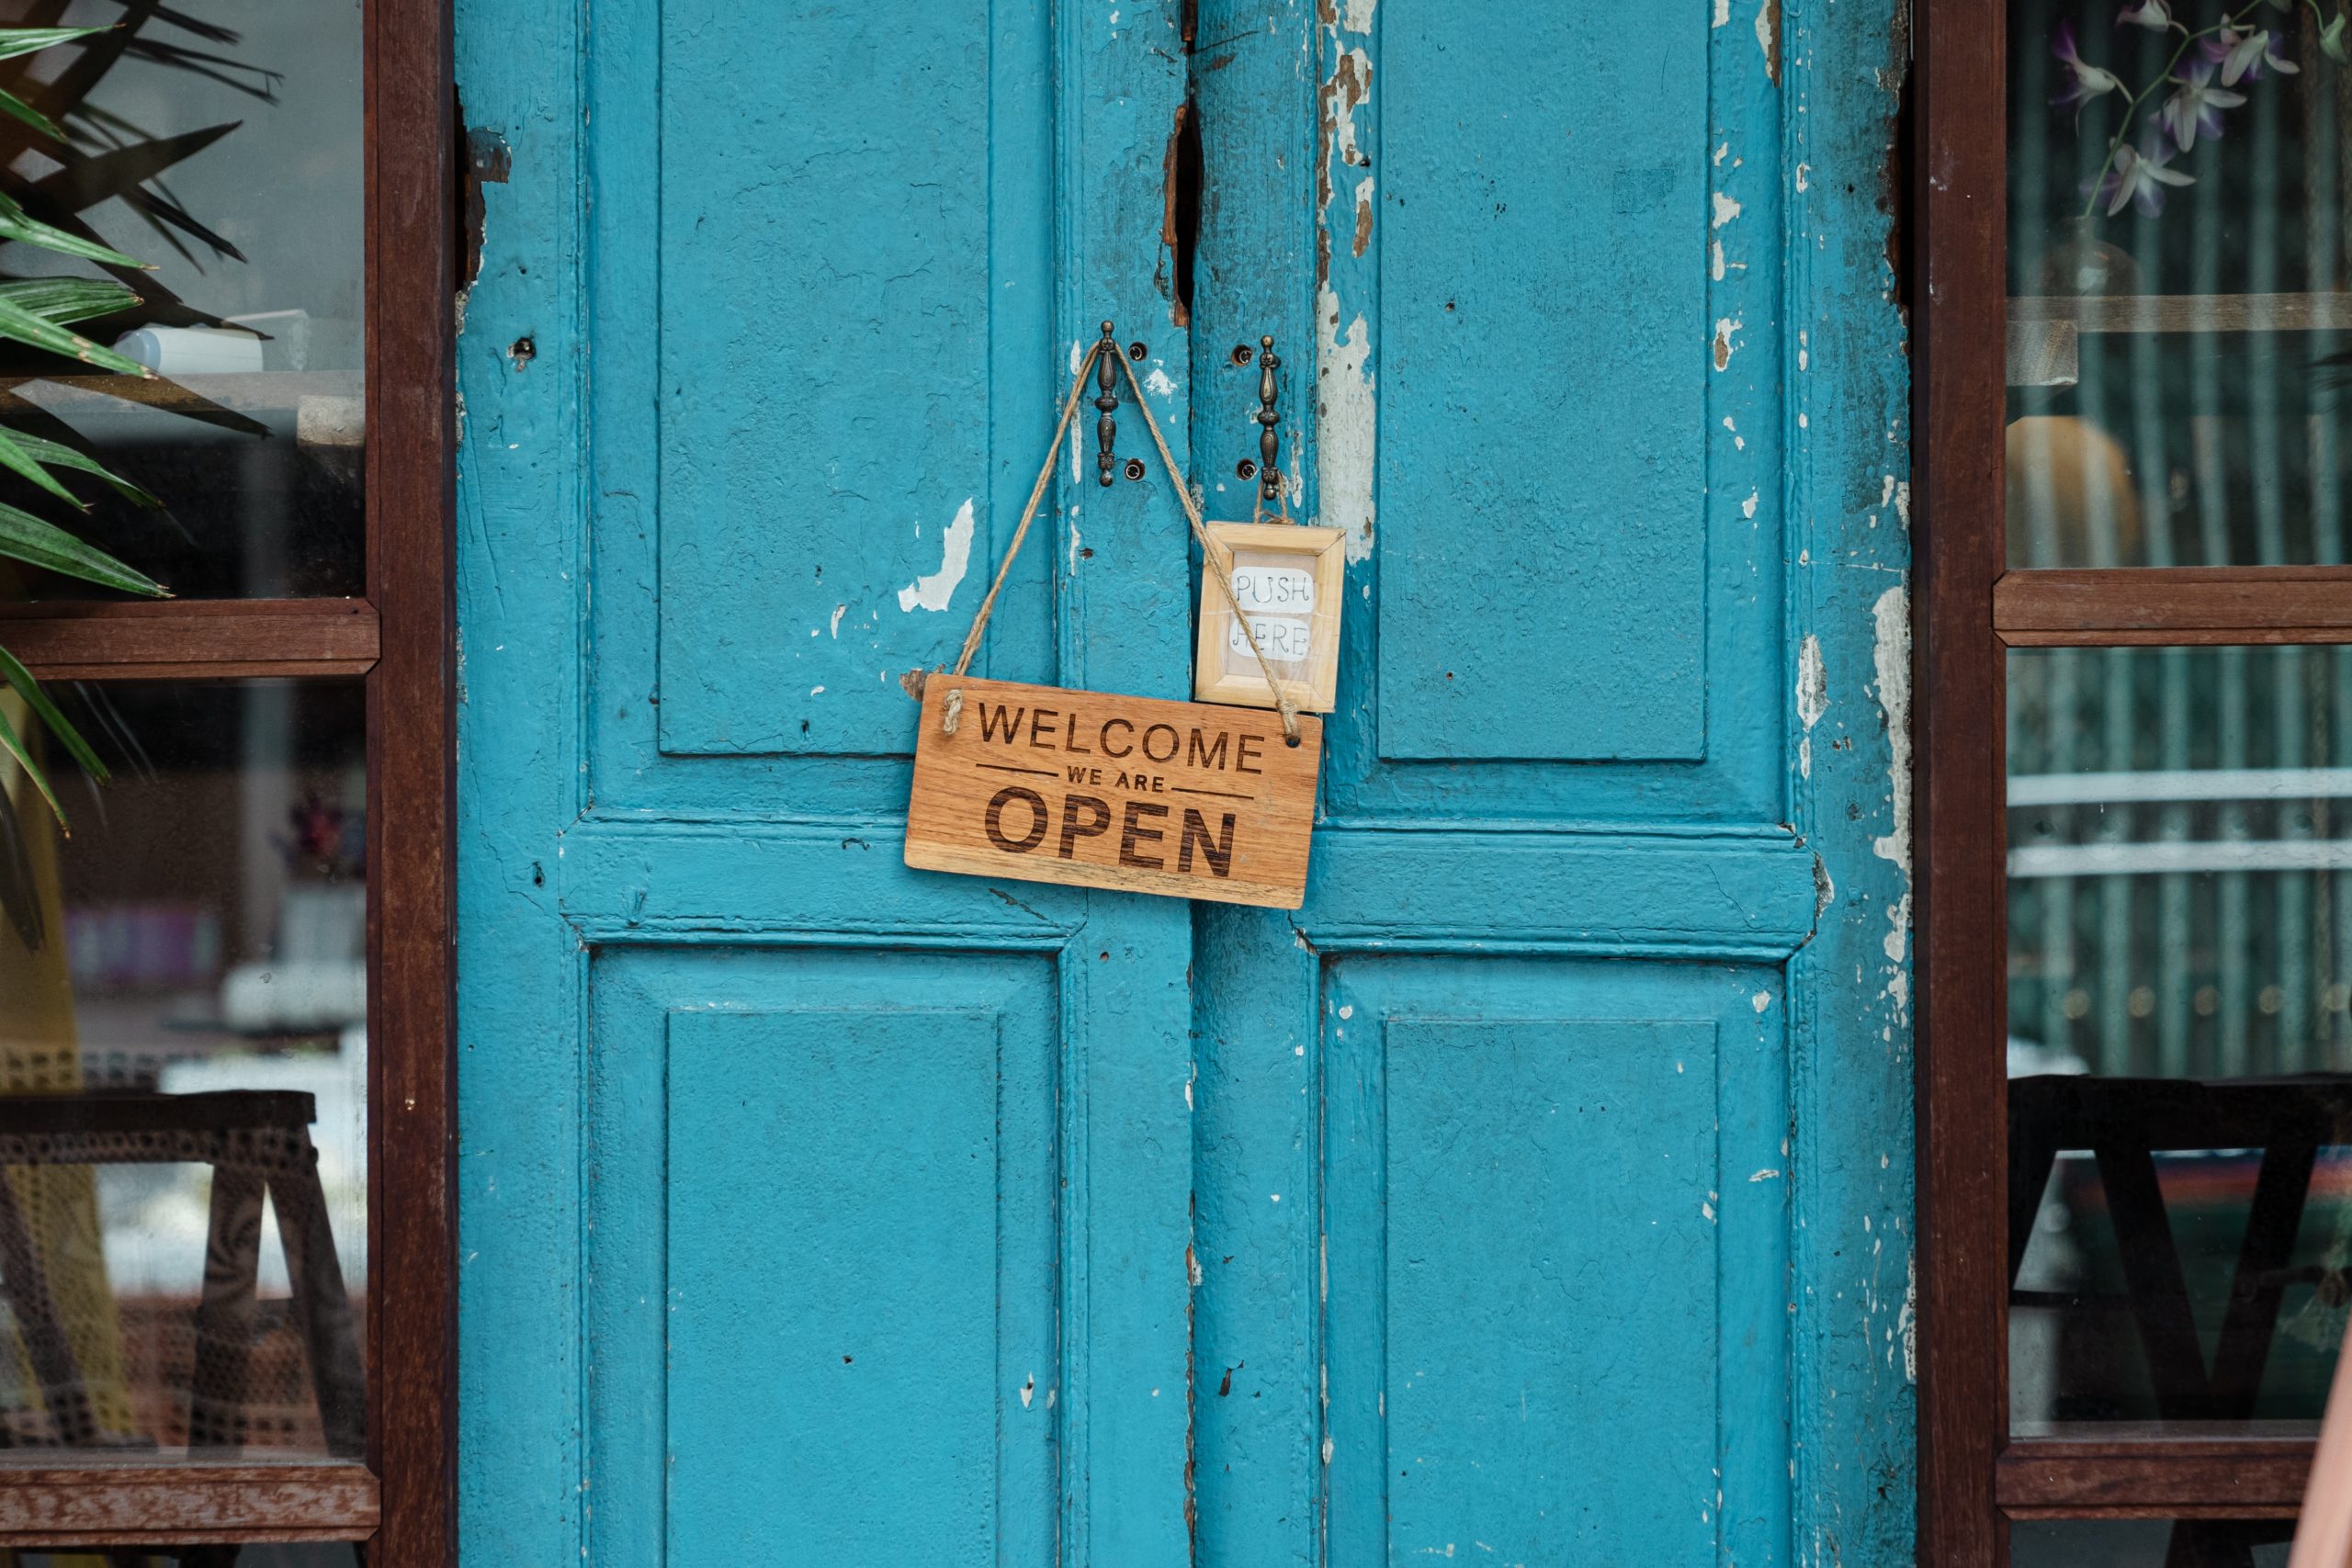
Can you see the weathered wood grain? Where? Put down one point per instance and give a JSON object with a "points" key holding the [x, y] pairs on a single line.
{"points": [[1089, 790]]}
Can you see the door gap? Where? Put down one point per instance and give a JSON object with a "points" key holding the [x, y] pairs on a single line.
{"points": [[1181, 225]]}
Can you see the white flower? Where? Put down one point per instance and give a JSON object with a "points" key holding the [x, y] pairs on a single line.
{"points": [[2242, 56], [2084, 81], [2154, 15], [2139, 175], [2196, 107]]}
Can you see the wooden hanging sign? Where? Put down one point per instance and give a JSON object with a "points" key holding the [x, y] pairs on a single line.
{"points": [[1044, 784]]}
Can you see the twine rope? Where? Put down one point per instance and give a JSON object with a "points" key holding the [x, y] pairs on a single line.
{"points": [[1216, 562], [951, 712]]}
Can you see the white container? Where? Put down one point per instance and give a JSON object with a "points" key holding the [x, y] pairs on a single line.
{"points": [[192, 350]]}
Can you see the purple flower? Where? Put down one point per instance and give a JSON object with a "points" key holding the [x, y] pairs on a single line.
{"points": [[2195, 107], [2084, 82], [2154, 15], [2242, 56], [2139, 175]]}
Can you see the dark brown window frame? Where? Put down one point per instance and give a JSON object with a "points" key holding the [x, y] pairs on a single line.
{"points": [[1968, 610], [400, 637]]}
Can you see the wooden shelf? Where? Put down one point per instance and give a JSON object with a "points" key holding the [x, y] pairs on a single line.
{"points": [[191, 638], [2160, 605], [58, 1499], [2189, 312], [2179, 1474]]}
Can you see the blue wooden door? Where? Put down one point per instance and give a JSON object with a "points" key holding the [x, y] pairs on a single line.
{"points": [[1536, 1192], [829, 1213]]}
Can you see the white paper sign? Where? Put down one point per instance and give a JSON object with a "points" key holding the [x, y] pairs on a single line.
{"points": [[1286, 589], [1284, 640]]}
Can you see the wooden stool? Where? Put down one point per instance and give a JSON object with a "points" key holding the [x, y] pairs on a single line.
{"points": [[258, 1143]]}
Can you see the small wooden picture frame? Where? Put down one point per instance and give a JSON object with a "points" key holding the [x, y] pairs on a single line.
{"points": [[1289, 579]]}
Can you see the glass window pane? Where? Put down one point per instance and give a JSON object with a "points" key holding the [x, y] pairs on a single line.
{"points": [[224, 144], [183, 1072], [2180, 335], [2181, 948], [2150, 1543]]}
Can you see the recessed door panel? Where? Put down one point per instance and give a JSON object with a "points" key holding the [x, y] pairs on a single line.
{"points": [[1552, 1203], [1540, 234], [827, 1233], [842, 314]]}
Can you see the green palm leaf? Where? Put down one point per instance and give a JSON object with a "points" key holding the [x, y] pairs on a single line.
{"points": [[17, 108], [15, 458], [22, 325], [14, 747], [13, 670], [63, 301], [57, 454], [15, 42], [18, 224], [26, 538]]}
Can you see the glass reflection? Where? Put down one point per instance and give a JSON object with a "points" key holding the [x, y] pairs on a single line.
{"points": [[224, 144], [2180, 1031], [182, 1061], [2180, 336]]}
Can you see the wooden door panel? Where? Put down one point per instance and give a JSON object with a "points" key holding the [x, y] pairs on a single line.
{"points": [[801, 282], [855, 337], [823, 1254], [1608, 792], [1548, 405], [1555, 1209], [1540, 230]]}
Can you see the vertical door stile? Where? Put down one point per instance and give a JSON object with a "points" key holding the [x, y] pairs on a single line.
{"points": [[1257, 981], [1124, 621]]}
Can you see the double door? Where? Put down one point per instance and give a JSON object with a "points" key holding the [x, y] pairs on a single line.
{"points": [[821, 1210]]}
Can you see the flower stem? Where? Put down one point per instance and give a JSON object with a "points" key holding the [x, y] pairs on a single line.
{"points": [[2133, 101]]}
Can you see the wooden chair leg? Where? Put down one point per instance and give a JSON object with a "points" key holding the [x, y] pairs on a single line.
{"points": [[26, 1284], [224, 1316], [2033, 1156], [2273, 1217], [2168, 1342], [321, 1309]]}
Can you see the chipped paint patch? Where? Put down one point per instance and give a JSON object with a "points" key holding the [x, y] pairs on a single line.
{"points": [[1363, 216], [932, 590], [1890, 660], [1725, 209], [1347, 423], [1723, 329], [1158, 384], [1357, 17], [1351, 84], [1813, 697], [839, 611], [1715, 260], [1907, 1321], [1768, 38], [1723, 13]]}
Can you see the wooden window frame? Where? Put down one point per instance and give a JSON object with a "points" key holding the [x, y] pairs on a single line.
{"points": [[400, 1498], [1968, 610]]}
